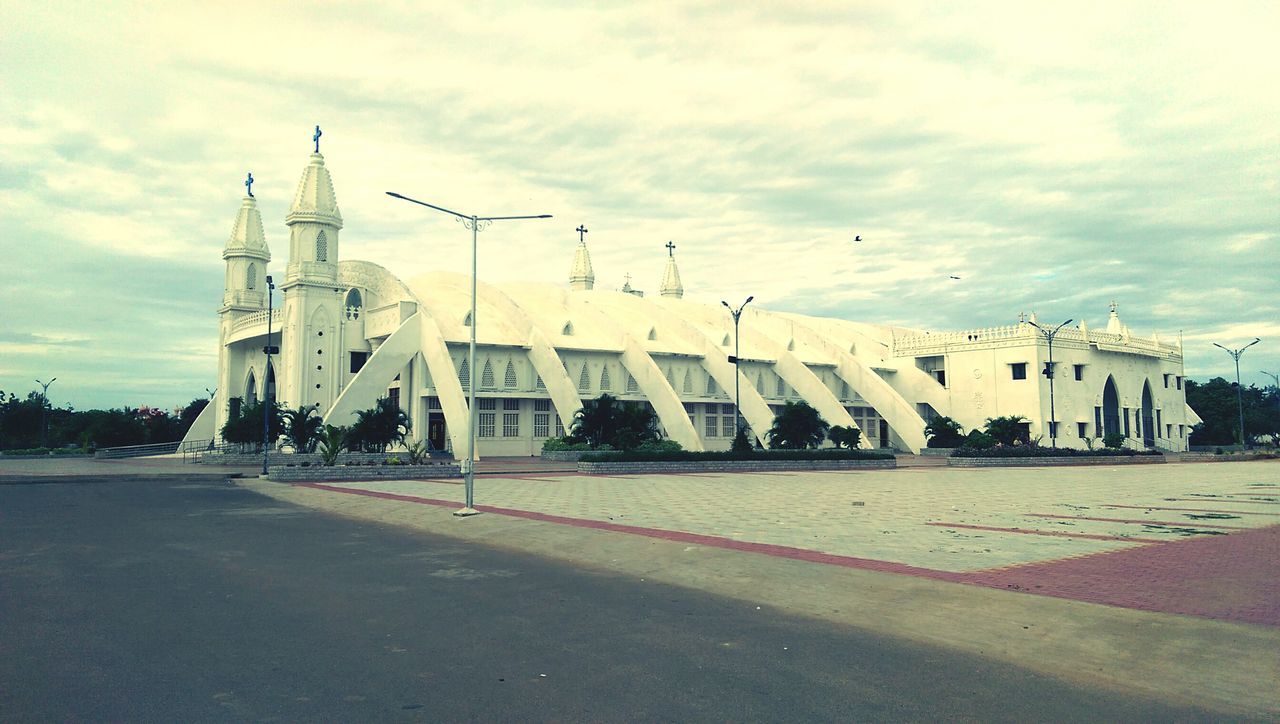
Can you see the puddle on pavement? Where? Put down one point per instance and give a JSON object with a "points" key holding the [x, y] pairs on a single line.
{"points": [[1185, 532], [1211, 516]]}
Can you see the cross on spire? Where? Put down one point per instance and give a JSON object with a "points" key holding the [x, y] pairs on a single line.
{"points": [[316, 138], [1113, 306], [581, 230], [627, 276], [248, 184], [671, 248]]}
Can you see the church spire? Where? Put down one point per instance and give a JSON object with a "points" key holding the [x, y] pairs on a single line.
{"points": [[247, 238], [671, 286], [581, 276], [246, 255]]}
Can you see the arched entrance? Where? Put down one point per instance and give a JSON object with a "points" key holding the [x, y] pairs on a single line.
{"points": [[1148, 416], [1110, 408], [251, 389]]}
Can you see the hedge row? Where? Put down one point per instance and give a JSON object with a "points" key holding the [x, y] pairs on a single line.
{"points": [[1035, 451], [636, 456]]}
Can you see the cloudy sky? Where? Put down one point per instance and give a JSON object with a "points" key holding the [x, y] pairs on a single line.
{"points": [[1053, 156]]}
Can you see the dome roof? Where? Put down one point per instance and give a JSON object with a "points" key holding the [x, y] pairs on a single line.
{"points": [[247, 238], [315, 200]]}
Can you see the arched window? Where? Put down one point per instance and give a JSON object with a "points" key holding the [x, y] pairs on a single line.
{"points": [[760, 383], [653, 333], [251, 389], [632, 385], [688, 382], [606, 384], [711, 386], [322, 247], [568, 329], [540, 385], [464, 372], [584, 381], [466, 321], [486, 376], [791, 346], [782, 388], [353, 304], [725, 342], [251, 277], [509, 379]]}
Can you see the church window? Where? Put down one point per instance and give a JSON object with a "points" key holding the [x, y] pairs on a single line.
{"points": [[251, 389], [464, 373], [1079, 371], [1082, 429], [791, 345], [584, 381], [1018, 370], [725, 342], [711, 385], [433, 403], [605, 383], [488, 403], [511, 404], [540, 384], [487, 424], [251, 282], [1126, 421], [568, 329], [713, 425], [671, 378], [781, 390], [357, 361], [466, 321], [653, 333], [511, 424], [353, 304], [322, 247], [760, 383], [542, 418], [486, 375], [688, 382], [726, 423], [844, 390], [632, 385], [509, 379]]}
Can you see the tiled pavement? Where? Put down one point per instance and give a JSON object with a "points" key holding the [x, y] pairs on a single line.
{"points": [[1190, 539]]}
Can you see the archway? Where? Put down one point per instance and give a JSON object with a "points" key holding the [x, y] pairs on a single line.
{"points": [[1110, 408], [251, 389], [1148, 416]]}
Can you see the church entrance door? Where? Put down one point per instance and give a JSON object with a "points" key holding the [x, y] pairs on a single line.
{"points": [[884, 432], [1148, 417], [1110, 408], [436, 430]]}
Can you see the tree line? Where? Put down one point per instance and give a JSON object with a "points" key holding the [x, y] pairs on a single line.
{"points": [[31, 423]]}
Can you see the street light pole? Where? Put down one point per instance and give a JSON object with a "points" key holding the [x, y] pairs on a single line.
{"points": [[474, 223], [44, 403], [266, 381], [1235, 354], [737, 394], [1053, 416]]}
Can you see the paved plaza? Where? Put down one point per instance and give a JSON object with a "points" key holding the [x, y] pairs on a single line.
{"points": [[1171, 538]]}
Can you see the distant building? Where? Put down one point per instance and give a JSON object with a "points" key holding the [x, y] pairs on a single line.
{"points": [[351, 332]]}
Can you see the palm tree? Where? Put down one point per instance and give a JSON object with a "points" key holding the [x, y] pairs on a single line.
{"points": [[606, 421], [380, 426], [942, 431], [332, 441], [302, 427], [796, 427]]}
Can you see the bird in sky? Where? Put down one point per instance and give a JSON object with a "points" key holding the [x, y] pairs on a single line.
{"points": [[953, 276], [857, 238]]}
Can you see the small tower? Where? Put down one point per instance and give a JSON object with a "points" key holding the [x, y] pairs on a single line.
{"points": [[312, 299], [243, 293], [1114, 326], [581, 276], [671, 286]]}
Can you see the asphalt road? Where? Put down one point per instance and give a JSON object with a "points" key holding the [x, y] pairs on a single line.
{"points": [[193, 600]]}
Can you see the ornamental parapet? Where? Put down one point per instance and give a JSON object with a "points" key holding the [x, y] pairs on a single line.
{"points": [[382, 321], [257, 318], [931, 343]]}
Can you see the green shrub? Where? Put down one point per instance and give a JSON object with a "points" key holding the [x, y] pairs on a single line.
{"points": [[659, 446], [636, 456], [846, 437], [1035, 451], [333, 440], [942, 431], [1115, 441], [742, 442], [1007, 429], [978, 440]]}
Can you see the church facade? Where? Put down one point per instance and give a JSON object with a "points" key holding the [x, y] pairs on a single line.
{"points": [[351, 332]]}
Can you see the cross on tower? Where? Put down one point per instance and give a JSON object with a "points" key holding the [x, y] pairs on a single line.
{"points": [[1113, 306], [248, 183], [316, 138], [671, 248], [627, 276], [581, 230]]}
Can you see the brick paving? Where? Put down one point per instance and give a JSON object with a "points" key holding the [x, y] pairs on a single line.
{"points": [[1054, 532]]}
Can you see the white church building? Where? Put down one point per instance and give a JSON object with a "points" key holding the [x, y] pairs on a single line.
{"points": [[350, 332]]}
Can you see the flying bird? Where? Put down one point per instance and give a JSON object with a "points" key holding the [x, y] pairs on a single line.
{"points": [[953, 276], [857, 238]]}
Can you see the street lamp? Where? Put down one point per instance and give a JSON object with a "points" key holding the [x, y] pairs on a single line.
{"points": [[44, 402], [1235, 354], [1048, 372], [474, 223], [737, 397], [266, 380]]}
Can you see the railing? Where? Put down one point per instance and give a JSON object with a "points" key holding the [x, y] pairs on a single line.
{"points": [[193, 451], [256, 318], [137, 451], [929, 342]]}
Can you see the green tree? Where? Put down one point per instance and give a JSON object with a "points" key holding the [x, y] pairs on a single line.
{"points": [[1008, 429], [302, 427], [620, 425], [188, 416], [942, 431], [797, 426], [246, 427], [1216, 404], [333, 440], [847, 437], [378, 427]]}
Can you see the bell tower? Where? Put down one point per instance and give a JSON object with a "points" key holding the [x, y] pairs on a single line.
{"points": [[243, 290], [312, 298]]}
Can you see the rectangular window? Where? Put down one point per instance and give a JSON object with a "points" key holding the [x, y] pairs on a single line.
{"points": [[1079, 370], [486, 424], [1097, 419], [1125, 413], [1166, 381], [357, 361], [1179, 381], [542, 405], [713, 425], [726, 409], [689, 410], [1082, 429], [541, 424], [393, 394], [726, 426], [511, 424], [1050, 368], [488, 403], [511, 404], [1159, 423], [1053, 429], [941, 377], [559, 427], [1019, 370], [1168, 431], [1181, 429], [433, 403]]}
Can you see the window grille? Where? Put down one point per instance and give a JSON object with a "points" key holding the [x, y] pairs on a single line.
{"points": [[542, 405], [711, 386], [322, 247], [433, 404], [605, 382], [632, 385], [486, 377], [511, 404], [540, 385], [559, 427], [509, 379], [726, 426], [541, 424], [584, 381], [487, 403], [713, 425], [782, 388], [688, 382], [464, 372], [511, 424], [487, 424], [251, 282]]}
